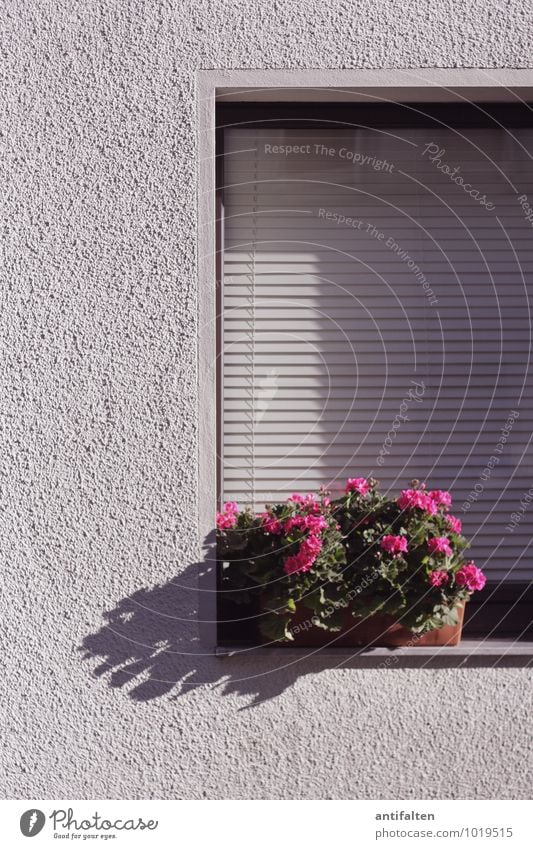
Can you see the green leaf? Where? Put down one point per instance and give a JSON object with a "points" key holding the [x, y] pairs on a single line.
{"points": [[276, 627], [451, 617], [333, 622]]}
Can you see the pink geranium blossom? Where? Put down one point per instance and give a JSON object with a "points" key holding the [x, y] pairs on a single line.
{"points": [[471, 577], [315, 524], [226, 521], [310, 522], [438, 578], [271, 524], [440, 545], [228, 517], [395, 545], [411, 498], [312, 546], [294, 564], [309, 502], [441, 497], [304, 558], [296, 497], [455, 525], [293, 522], [359, 485]]}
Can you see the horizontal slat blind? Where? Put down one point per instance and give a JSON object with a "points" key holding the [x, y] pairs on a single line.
{"points": [[350, 282]]}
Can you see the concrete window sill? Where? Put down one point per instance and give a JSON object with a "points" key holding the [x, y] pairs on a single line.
{"points": [[499, 652]]}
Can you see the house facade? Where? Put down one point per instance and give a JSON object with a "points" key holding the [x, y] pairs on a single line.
{"points": [[111, 433]]}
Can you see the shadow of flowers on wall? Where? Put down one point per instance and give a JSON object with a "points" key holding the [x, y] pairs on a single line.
{"points": [[152, 644]]}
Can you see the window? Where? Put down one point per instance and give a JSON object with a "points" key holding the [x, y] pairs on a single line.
{"points": [[376, 300]]}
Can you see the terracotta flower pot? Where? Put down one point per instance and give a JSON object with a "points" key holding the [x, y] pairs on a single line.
{"points": [[377, 630]]}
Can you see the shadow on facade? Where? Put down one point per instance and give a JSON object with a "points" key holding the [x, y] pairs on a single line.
{"points": [[156, 643]]}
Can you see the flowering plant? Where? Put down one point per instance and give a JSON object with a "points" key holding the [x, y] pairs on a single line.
{"points": [[276, 559], [406, 556], [362, 551]]}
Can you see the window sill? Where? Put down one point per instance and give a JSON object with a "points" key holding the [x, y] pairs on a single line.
{"points": [[470, 653]]}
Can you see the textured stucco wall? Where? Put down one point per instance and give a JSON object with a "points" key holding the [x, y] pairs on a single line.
{"points": [[99, 459]]}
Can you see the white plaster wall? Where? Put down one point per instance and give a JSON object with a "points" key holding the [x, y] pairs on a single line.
{"points": [[100, 424]]}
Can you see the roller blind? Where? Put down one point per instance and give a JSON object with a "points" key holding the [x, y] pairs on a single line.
{"points": [[377, 320]]}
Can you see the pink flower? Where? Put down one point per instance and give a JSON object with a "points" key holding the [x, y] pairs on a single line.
{"points": [[309, 502], [417, 498], [294, 564], [438, 579], [226, 520], [455, 525], [440, 545], [296, 497], [359, 485], [303, 560], [441, 498], [471, 577], [271, 524], [228, 517], [395, 545], [315, 524], [293, 522], [312, 546]]}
